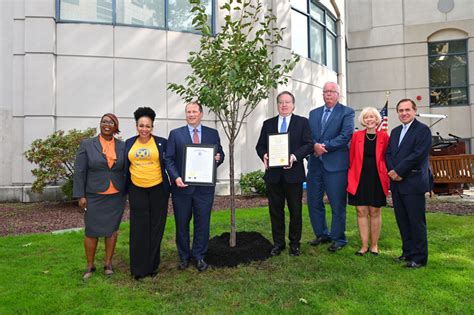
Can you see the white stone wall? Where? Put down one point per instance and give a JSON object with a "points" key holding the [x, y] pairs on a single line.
{"points": [[59, 76], [388, 51]]}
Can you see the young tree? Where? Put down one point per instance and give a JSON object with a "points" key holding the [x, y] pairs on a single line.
{"points": [[233, 70]]}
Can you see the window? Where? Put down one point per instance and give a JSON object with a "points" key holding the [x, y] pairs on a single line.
{"points": [[180, 17], [99, 11], [448, 73], [149, 13], [314, 32], [163, 14]]}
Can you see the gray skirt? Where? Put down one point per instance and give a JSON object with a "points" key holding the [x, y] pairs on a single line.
{"points": [[104, 213]]}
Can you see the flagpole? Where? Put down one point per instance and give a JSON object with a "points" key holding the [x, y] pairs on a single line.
{"points": [[383, 126]]}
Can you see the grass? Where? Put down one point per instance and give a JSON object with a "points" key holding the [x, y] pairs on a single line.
{"points": [[42, 274]]}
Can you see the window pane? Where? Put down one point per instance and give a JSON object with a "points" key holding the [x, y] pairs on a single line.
{"points": [[331, 24], [141, 12], [449, 96], [316, 12], [317, 43], [87, 11], [448, 71], [180, 17], [450, 47], [299, 33], [331, 52], [301, 5]]}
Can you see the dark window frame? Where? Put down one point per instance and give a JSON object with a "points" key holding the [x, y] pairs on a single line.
{"points": [[114, 19], [466, 86], [326, 30]]}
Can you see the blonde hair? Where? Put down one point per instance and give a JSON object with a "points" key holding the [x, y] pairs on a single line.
{"points": [[369, 110]]}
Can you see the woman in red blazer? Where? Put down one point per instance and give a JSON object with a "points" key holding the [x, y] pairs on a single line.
{"points": [[368, 181]]}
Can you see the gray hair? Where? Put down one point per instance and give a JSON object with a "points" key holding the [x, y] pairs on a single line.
{"points": [[338, 88], [369, 110]]}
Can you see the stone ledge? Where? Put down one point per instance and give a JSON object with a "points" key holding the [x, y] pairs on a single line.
{"points": [[24, 194], [54, 193]]}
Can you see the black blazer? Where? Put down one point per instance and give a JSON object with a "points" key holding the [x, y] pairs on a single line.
{"points": [[411, 159], [301, 145], [161, 145], [91, 171]]}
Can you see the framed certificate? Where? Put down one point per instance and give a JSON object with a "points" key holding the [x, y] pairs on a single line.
{"points": [[199, 166], [278, 149]]}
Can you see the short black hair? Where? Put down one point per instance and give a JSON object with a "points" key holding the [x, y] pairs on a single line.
{"points": [[144, 112], [287, 93]]}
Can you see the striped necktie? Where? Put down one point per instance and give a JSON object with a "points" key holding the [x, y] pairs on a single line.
{"points": [[325, 118], [195, 136]]}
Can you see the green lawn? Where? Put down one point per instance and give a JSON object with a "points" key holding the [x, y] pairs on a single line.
{"points": [[42, 274]]}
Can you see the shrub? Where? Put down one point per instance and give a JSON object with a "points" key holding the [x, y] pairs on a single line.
{"points": [[55, 157], [253, 183]]}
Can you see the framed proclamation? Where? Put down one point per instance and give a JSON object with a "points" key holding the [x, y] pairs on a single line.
{"points": [[278, 149], [199, 166]]}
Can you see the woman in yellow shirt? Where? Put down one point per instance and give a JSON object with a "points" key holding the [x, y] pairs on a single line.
{"points": [[99, 181], [148, 194]]}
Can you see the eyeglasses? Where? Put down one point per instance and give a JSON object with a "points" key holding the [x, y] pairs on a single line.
{"points": [[330, 92], [107, 123]]}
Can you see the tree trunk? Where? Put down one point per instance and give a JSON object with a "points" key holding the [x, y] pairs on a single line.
{"points": [[233, 228]]}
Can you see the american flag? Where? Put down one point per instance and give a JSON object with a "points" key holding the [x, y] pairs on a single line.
{"points": [[384, 123]]}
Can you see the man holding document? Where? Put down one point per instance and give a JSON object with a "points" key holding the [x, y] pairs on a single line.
{"points": [[285, 140], [192, 186]]}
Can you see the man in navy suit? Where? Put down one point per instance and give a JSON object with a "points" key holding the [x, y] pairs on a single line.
{"points": [[407, 161], [332, 126], [190, 200], [286, 182]]}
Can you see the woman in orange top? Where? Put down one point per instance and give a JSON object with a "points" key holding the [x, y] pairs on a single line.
{"points": [[99, 181], [367, 178]]}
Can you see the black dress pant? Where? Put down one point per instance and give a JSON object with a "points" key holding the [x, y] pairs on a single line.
{"points": [[277, 194], [148, 212], [411, 221]]}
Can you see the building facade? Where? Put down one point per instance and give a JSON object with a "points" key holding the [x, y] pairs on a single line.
{"points": [[422, 50], [67, 62]]}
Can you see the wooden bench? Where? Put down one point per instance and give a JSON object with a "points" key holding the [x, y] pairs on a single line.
{"points": [[453, 169]]}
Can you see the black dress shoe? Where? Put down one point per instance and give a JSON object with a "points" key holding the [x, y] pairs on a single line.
{"points": [[201, 265], [374, 253], [294, 251], [276, 250], [335, 247], [184, 264], [413, 265], [359, 253], [401, 259], [319, 240]]}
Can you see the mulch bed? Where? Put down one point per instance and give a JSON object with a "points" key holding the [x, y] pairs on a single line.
{"points": [[43, 217], [220, 254]]}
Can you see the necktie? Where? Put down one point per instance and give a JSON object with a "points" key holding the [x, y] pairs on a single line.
{"points": [[195, 136], [402, 134], [325, 118], [283, 126]]}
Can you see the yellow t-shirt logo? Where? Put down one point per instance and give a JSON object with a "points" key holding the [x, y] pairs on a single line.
{"points": [[142, 153]]}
